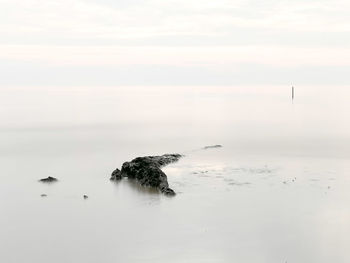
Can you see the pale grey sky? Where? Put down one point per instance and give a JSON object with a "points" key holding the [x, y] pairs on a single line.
{"points": [[174, 42]]}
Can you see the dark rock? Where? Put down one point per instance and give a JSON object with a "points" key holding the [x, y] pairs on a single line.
{"points": [[85, 196], [167, 191], [48, 180], [212, 146], [116, 175], [147, 171], [43, 195]]}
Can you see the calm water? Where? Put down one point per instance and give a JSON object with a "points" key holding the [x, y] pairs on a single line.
{"points": [[278, 191]]}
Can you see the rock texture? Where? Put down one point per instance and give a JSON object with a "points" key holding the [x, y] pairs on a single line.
{"points": [[147, 171], [48, 180]]}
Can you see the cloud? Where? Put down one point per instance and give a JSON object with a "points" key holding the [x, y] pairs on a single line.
{"points": [[175, 35], [76, 20], [216, 56]]}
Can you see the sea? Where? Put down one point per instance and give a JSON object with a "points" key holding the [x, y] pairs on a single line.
{"points": [[277, 191]]}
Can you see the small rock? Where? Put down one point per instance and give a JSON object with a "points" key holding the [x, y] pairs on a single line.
{"points": [[116, 175], [85, 196], [48, 180], [212, 146], [168, 191], [43, 195]]}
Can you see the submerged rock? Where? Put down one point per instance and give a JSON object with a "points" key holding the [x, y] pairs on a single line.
{"points": [[43, 195], [147, 171], [48, 180], [85, 197], [212, 146]]}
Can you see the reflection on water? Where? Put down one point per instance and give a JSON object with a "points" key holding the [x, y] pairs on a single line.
{"points": [[277, 191], [136, 187]]}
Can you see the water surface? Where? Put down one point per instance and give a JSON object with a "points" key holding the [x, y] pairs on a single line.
{"points": [[277, 191]]}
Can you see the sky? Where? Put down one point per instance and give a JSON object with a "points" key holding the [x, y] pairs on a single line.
{"points": [[174, 42]]}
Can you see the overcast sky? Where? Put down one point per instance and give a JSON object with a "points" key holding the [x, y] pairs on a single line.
{"points": [[174, 42]]}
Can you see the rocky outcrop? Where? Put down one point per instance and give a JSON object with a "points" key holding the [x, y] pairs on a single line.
{"points": [[48, 180], [147, 171]]}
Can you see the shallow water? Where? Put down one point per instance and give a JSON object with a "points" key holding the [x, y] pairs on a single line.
{"points": [[277, 191]]}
